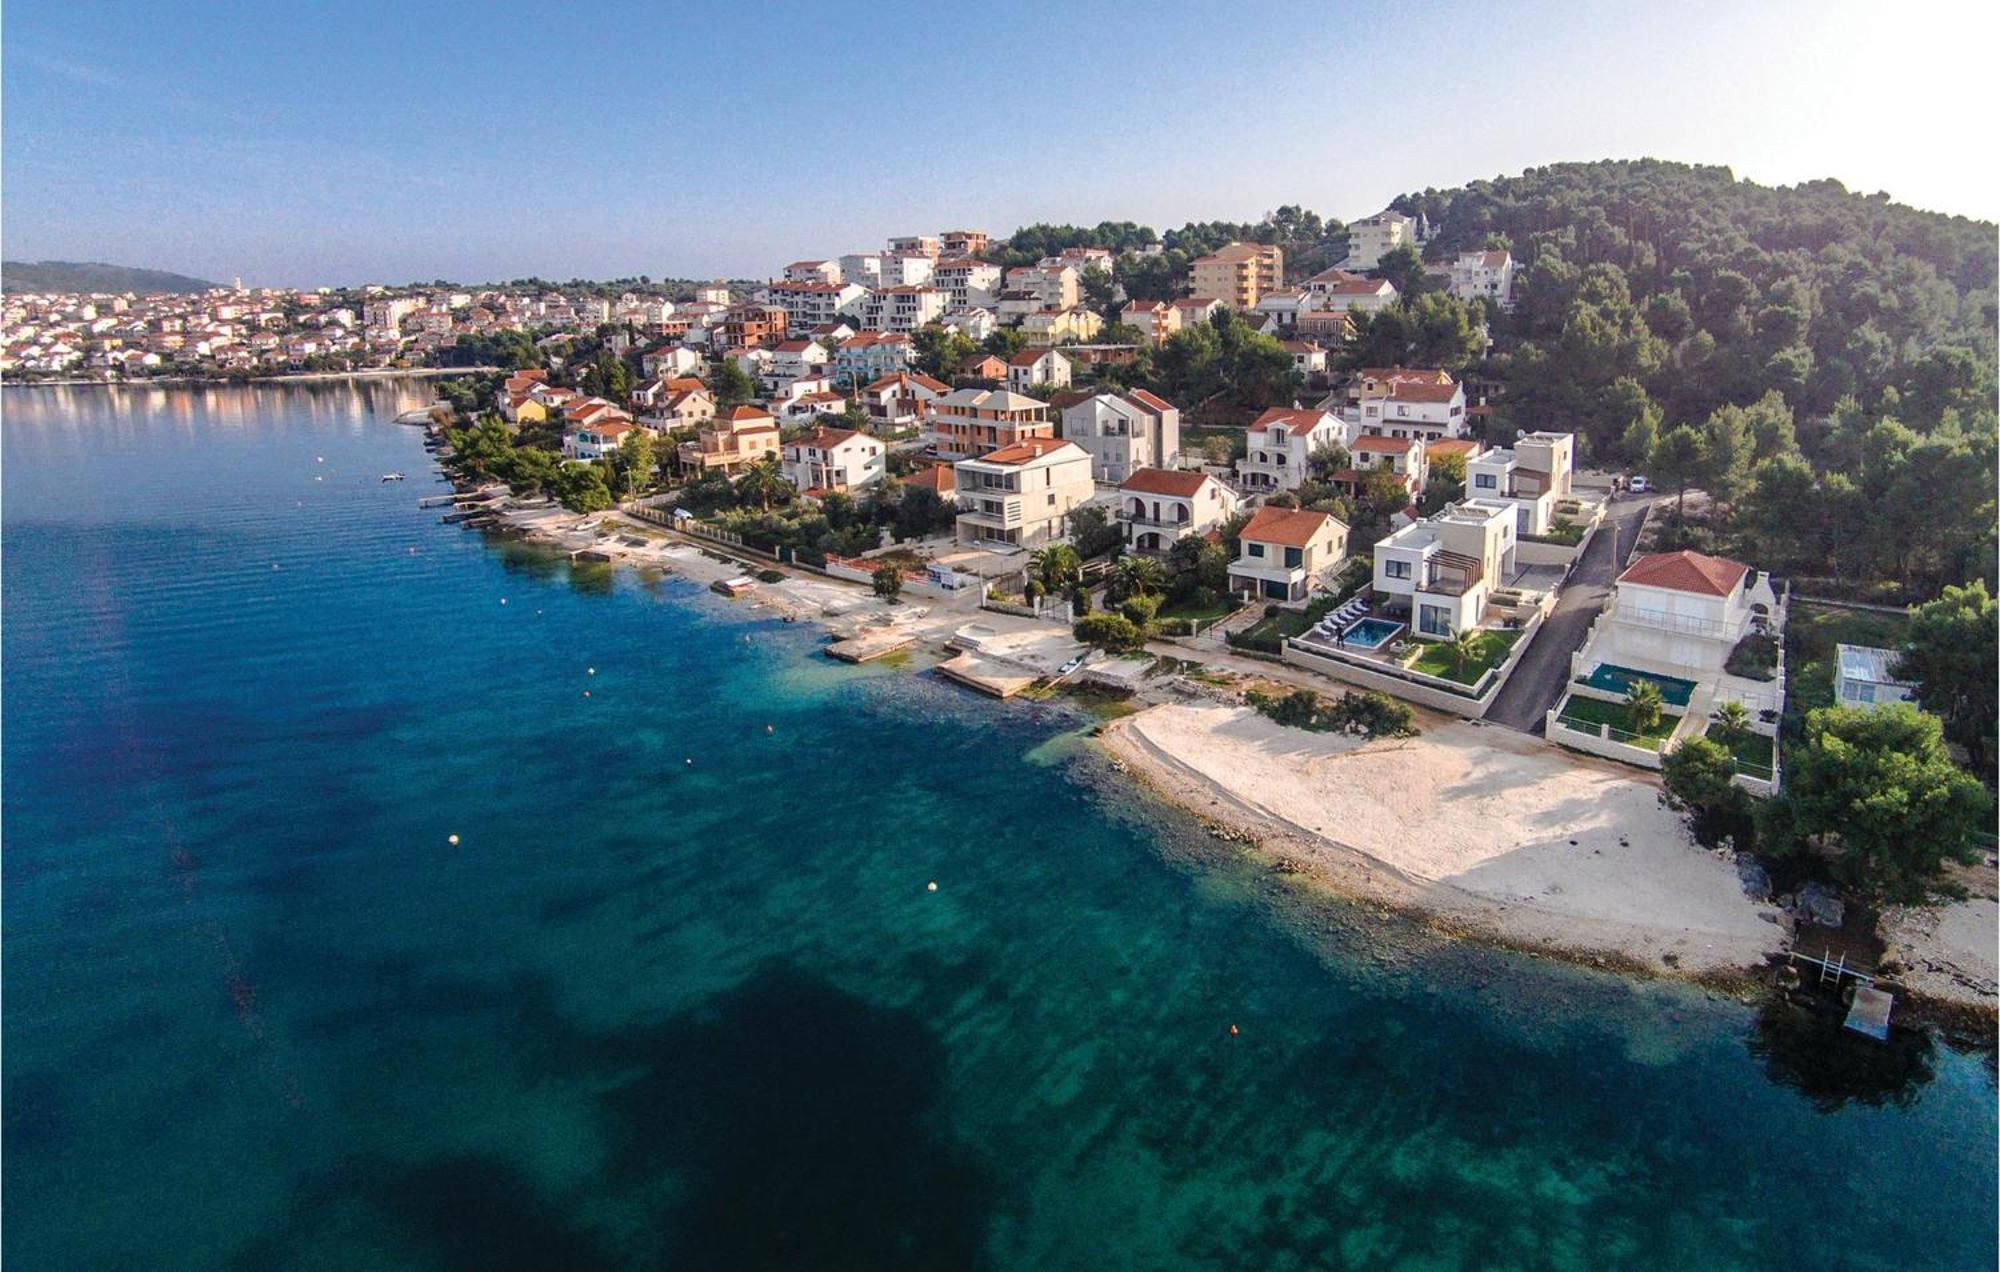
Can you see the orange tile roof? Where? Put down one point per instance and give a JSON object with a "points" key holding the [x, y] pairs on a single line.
{"points": [[1686, 571], [1165, 481], [1388, 445], [1028, 448], [1293, 420], [1286, 527]]}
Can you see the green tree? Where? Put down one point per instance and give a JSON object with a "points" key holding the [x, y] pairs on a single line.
{"points": [[581, 488], [1678, 460], [730, 385], [1113, 632], [1699, 776], [1464, 649], [1135, 575], [1057, 566], [1732, 724], [1878, 793], [635, 460], [1403, 266], [1952, 652], [888, 581]]}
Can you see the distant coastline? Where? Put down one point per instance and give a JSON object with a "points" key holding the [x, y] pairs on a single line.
{"points": [[298, 377]]}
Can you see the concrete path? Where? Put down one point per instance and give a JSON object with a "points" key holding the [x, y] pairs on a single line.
{"points": [[1538, 680]]}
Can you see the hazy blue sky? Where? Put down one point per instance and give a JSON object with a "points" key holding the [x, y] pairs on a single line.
{"points": [[301, 143]]}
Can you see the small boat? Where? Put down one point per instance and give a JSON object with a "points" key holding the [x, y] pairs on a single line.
{"points": [[1070, 666], [392, 476]]}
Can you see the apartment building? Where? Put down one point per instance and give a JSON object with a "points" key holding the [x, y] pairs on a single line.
{"points": [[813, 303], [1238, 274], [1484, 276], [1373, 237], [1021, 495], [1124, 432], [731, 443], [963, 242], [967, 423], [1281, 445]]}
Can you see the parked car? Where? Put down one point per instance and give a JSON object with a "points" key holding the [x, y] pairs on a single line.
{"points": [[1640, 485]]}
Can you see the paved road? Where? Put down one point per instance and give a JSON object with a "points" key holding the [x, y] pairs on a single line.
{"points": [[1538, 680]]}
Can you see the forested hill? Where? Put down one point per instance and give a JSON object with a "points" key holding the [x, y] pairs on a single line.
{"points": [[93, 277], [1820, 361]]}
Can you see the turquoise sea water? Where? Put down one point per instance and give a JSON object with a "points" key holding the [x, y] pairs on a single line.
{"points": [[260, 1013]]}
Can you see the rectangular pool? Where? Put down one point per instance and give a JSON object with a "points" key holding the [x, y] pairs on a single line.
{"points": [[1370, 633], [1612, 678]]}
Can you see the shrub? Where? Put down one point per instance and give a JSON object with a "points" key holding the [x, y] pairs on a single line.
{"points": [[770, 576], [888, 581], [1141, 610], [1112, 632]]}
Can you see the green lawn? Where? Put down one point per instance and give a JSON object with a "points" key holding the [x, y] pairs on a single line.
{"points": [[1753, 753], [1201, 613], [1565, 532], [1586, 714], [1811, 632], [1265, 633], [1433, 658]]}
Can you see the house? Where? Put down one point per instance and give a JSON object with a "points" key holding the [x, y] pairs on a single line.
{"points": [[1021, 494], [1281, 445], [592, 441], [1124, 432], [1156, 319], [862, 268], [1162, 506], [1238, 274], [1283, 307], [1037, 368], [972, 422], [901, 400], [1338, 290], [870, 355], [686, 403], [1054, 326], [674, 361], [983, 366], [1439, 573], [731, 443], [809, 404], [795, 359], [1484, 276], [914, 245], [1046, 286], [1194, 309], [1532, 475], [750, 326], [1286, 552], [834, 459], [1685, 610], [975, 323], [1308, 359], [1327, 327], [1374, 237], [1399, 402], [938, 478], [1865, 676], [1403, 456]]}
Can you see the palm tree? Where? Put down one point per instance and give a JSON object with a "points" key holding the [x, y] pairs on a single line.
{"points": [[1732, 723], [1138, 576], [1644, 704], [763, 481], [1463, 649], [1057, 565]]}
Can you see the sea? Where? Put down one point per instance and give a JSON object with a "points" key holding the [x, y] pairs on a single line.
{"points": [[382, 894]]}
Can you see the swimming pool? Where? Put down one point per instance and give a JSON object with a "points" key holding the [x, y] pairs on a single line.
{"points": [[1370, 633], [1613, 678]]}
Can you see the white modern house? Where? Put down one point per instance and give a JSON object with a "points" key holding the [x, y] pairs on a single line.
{"points": [[1162, 506], [1021, 495], [1124, 432], [1032, 369], [1440, 572], [834, 459], [810, 304], [1285, 552], [1484, 276], [1281, 444], [1403, 456], [1533, 475], [1865, 677]]}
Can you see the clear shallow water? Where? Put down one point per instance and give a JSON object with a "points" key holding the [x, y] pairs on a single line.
{"points": [[259, 1013]]}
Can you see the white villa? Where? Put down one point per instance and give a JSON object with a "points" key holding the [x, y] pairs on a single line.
{"points": [[1676, 618], [1484, 275], [834, 459], [1162, 506], [1442, 571], [1286, 552], [1021, 495], [1532, 475], [1281, 442], [1397, 402], [1124, 432]]}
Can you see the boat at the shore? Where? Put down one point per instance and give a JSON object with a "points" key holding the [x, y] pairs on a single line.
{"points": [[420, 415], [392, 476]]}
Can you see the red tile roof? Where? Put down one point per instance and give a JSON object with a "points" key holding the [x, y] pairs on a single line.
{"points": [[1387, 445], [748, 414], [1287, 527], [1028, 448], [1151, 401], [1165, 481], [1296, 421], [1686, 571]]}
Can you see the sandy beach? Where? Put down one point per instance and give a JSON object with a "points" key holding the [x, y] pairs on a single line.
{"points": [[1479, 830]]}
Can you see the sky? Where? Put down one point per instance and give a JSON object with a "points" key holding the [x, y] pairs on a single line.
{"points": [[310, 144]]}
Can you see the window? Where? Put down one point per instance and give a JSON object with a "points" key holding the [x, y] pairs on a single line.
{"points": [[1253, 549], [1483, 480], [1294, 558], [1052, 499], [1395, 569]]}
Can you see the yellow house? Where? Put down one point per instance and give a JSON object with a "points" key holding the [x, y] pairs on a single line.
{"points": [[1053, 326], [529, 411]]}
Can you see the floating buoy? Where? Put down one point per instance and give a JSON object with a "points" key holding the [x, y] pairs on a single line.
{"points": [[769, 729], [590, 671], [586, 693], [274, 565], [452, 840], [503, 600], [1232, 1031], [931, 886], [319, 459], [690, 759]]}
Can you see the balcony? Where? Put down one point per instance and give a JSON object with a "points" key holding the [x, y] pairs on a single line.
{"points": [[1160, 523], [1000, 516]]}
